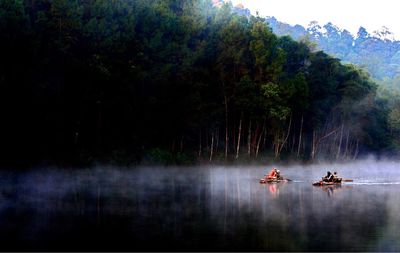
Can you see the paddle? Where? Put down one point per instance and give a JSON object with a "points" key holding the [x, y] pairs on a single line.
{"points": [[347, 180]]}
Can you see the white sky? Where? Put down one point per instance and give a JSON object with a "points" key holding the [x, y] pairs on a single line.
{"points": [[346, 14]]}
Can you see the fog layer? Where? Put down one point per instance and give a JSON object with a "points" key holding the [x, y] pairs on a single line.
{"points": [[201, 208]]}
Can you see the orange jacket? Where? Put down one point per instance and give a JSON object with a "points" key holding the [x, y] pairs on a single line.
{"points": [[272, 174]]}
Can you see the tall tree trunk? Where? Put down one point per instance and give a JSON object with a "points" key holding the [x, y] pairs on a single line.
{"points": [[314, 145], [212, 146], [346, 146], [301, 130], [340, 143], [217, 141], [356, 151], [259, 139], [249, 140], [316, 141], [234, 135], [293, 141], [200, 143], [226, 128], [239, 135], [206, 138], [276, 144], [287, 135], [255, 138], [333, 148], [265, 140]]}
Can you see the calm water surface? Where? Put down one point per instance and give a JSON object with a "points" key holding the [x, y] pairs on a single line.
{"points": [[201, 208]]}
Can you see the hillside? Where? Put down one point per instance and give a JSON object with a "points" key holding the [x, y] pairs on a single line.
{"points": [[378, 52], [174, 82]]}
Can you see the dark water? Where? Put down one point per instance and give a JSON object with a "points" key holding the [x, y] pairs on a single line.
{"points": [[201, 208]]}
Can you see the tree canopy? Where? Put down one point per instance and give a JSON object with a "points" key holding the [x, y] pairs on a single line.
{"points": [[174, 81]]}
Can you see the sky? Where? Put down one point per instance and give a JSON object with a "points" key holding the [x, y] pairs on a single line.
{"points": [[346, 14]]}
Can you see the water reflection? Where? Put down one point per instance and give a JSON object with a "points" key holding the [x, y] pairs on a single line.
{"points": [[202, 208], [274, 188], [330, 189]]}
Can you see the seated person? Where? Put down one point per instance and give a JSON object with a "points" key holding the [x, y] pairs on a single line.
{"points": [[278, 174], [328, 177], [272, 174], [336, 178]]}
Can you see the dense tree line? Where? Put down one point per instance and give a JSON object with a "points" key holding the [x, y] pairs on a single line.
{"points": [[377, 52], [139, 80]]}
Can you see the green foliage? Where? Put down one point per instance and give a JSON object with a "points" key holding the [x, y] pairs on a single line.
{"points": [[379, 55], [165, 157], [270, 91], [169, 81], [160, 156]]}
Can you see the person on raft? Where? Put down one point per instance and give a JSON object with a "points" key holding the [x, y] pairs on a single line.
{"points": [[278, 174], [336, 178], [328, 177], [272, 174]]}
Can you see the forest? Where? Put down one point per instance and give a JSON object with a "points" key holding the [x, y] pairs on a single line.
{"points": [[176, 82], [377, 52]]}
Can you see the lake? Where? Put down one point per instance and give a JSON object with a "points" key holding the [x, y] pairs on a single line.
{"points": [[201, 209]]}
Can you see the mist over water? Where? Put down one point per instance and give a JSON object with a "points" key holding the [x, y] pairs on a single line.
{"points": [[201, 208]]}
